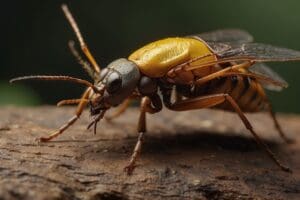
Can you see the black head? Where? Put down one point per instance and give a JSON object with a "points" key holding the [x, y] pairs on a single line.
{"points": [[119, 79]]}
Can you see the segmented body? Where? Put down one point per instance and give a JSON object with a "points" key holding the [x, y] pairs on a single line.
{"points": [[159, 58], [248, 93]]}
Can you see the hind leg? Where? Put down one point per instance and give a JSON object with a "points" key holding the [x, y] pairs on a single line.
{"points": [[276, 123], [217, 99]]}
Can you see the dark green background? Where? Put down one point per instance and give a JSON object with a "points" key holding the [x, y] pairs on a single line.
{"points": [[35, 35]]}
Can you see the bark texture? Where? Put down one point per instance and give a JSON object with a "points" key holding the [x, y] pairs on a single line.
{"points": [[186, 155]]}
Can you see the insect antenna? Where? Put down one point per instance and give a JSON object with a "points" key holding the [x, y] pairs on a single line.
{"points": [[77, 32], [57, 78], [85, 65]]}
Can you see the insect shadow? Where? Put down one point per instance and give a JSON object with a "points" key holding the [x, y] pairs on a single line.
{"points": [[190, 141], [195, 140]]}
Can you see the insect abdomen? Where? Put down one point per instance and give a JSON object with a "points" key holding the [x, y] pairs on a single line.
{"points": [[248, 93]]}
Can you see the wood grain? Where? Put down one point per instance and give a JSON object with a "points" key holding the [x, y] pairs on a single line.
{"points": [[186, 155]]}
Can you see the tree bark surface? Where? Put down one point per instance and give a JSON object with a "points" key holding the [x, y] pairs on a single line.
{"points": [[203, 154]]}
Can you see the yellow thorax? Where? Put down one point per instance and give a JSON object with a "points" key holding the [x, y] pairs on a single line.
{"points": [[157, 58]]}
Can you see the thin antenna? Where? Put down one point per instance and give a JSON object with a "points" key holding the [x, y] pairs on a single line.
{"points": [[85, 65], [83, 45], [57, 78]]}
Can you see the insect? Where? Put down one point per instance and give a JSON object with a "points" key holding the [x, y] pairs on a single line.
{"points": [[221, 69]]}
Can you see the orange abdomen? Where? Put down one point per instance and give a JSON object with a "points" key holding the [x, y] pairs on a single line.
{"points": [[248, 93]]}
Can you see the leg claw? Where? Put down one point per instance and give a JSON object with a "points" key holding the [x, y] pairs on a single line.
{"points": [[42, 139], [129, 169], [289, 141], [286, 169]]}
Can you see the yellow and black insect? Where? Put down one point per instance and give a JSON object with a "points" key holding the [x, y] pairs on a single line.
{"points": [[221, 69]]}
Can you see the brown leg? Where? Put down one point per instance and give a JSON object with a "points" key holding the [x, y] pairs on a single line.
{"points": [[277, 125], [211, 76], [213, 100], [145, 107], [121, 109], [181, 69], [72, 120], [219, 73], [69, 102]]}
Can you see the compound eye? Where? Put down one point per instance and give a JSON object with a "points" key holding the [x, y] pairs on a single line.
{"points": [[114, 82]]}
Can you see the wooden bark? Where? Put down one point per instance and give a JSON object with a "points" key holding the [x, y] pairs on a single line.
{"points": [[186, 155]]}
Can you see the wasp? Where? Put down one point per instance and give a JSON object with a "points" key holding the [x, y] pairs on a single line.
{"points": [[221, 69]]}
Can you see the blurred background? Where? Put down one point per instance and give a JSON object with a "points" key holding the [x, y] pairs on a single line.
{"points": [[35, 36]]}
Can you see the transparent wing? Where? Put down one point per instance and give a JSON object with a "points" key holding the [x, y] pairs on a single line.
{"points": [[253, 51], [225, 35], [235, 52], [264, 70], [234, 45]]}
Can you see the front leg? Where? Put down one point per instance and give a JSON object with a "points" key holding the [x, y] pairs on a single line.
{"points": [[122, 107], [151, 105], [83, 102]]}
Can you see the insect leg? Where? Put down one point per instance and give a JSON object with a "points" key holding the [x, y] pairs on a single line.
{"points": [[213, 100], [76, 30], [172, 73], [121, 109], [72, 120], [151, 105], [258, 77], [221, 72], [181, 66], [276, 123], [69, 102]]}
